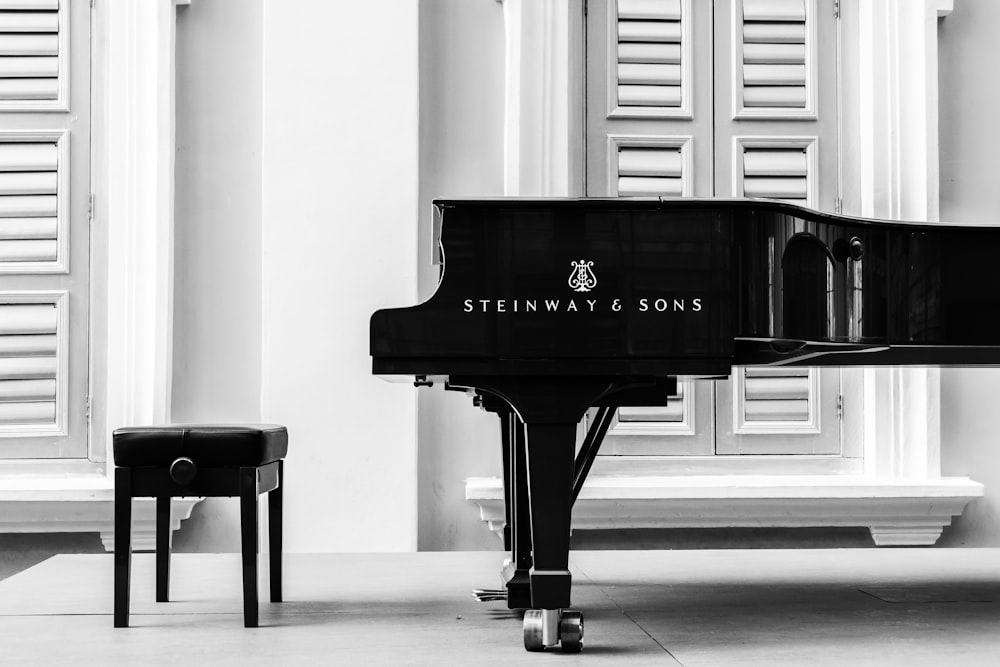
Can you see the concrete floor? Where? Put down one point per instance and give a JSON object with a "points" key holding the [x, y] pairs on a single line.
{"points": [[840, 607]]}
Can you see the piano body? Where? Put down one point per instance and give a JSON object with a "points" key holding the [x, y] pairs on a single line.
{"points": [[547, 308]]}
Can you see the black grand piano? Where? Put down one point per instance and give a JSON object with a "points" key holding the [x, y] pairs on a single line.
{"points": [[548, 308]]}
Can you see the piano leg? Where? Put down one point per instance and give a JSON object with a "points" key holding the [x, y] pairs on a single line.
{"points": [[550, 410], [550, 449]]}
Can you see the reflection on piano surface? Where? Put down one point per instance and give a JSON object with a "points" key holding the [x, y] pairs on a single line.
{"points": [[547, 308]]}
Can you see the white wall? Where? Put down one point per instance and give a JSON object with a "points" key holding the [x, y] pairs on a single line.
{"points": [[970, 174], [339, 234], [461, 154], [217, 310]]}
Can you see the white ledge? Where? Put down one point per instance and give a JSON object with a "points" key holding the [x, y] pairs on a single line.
{"points": [[80, 505], [897, 512]]}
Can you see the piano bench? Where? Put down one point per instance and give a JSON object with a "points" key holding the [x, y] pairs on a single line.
{"points": [[177, 460]]}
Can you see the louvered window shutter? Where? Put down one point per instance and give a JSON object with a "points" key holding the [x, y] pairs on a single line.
{"points": [[775, 43], [776, 169], [44, 228], [647, 170], [29, 205], [28, 344], [649, 53], [31, 47], [776, 395]]}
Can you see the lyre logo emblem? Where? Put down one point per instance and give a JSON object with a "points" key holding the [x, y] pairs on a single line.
{"points": [[582, 279]]}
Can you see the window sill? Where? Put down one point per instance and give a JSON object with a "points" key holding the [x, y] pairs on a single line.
{"points": [[79, 505], [896, 512]]}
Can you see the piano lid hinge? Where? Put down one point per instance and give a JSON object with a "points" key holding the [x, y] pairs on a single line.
{"points": [[838, 205], [840, 406], [836, 9]]}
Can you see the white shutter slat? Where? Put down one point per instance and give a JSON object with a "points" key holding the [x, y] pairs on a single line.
{"points": [[36, 5], [649, 52], [774, 75], [635, 186], [28, 413], [661, 162], [775, 188], [649, 73], [12, 391], [777, 410], [770, 388], [18, 156], [32, 250], [774, 10], [27, 228], [29, 89], [766, 53], [649, 31], [14, 44], [34, 22], [32, 318], [22, 67], [774, 33], [30, 345], [27, 368], [764, 162], [28, 183], [774, 96], [661, 10], [659, 96], [29, 206]]}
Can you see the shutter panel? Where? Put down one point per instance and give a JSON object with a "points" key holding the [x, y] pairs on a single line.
{"points": [[649, 72], [30, 181], [776, 394], [44, 228], [776, 168], [31, 45], [775, 42], [682, 427], [651, 170], [29, 370]]}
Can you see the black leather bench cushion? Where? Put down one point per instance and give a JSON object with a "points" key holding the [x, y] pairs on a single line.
{"points": [[208, 445]]}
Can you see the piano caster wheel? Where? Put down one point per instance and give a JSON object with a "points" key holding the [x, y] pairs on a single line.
{"points": [[571, 632], [548, 627], [533, 630]]}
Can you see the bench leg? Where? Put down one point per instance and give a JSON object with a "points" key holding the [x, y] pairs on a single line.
{"points": [[162, 548], [249, 537], [123, 544], [274, 512]]}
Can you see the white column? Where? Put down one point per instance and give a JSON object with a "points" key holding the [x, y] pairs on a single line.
{"points": [[899, 179], [544, 121], [134, 200]]}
